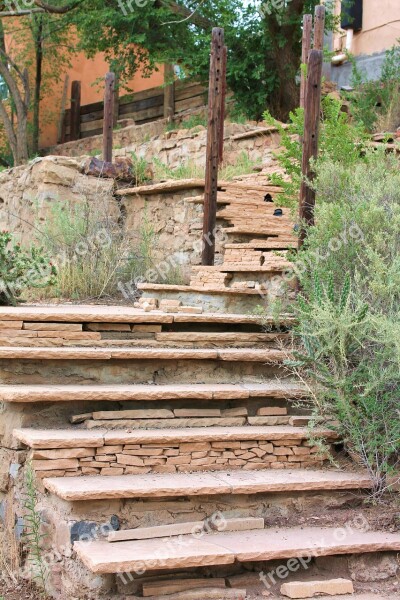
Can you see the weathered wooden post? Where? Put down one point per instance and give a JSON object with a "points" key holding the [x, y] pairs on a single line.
{"points": [[212, 151], [305, 51], [108, 118], [319, 27], [169, 92], [222, 108], [61, 124], [75, 125], [310, 139], [116, 100]]}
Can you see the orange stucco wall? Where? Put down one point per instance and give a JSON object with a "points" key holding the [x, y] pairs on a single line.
{"points": [[88, 72], [381, 27]]}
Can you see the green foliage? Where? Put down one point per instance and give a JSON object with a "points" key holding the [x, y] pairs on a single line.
{"points": [[21, 269], [264, 47], [349, 308], [242, 165], [340, 142], [191, 170], [186, 170], [376, 104], [140, 169], [33, 532]]}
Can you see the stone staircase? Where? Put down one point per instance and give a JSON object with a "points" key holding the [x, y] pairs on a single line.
{"points": [[170, 448], [144, 427]]}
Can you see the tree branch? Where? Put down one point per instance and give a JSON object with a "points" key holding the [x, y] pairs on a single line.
{"points": [[186, 13], [59, 10]]}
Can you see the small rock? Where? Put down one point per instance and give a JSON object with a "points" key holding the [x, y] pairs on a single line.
{"points": [[308, 589]]}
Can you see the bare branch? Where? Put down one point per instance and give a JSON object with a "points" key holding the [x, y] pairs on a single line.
{"points": [[186, 13], [188, 18]]}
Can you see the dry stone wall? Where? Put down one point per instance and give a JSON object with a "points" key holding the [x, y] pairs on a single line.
{"points": [[28, 193]]}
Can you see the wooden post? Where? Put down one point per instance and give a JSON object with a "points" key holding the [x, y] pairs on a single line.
{"points": [[305, 52], [108, 118], [116, 100], [61, 124], [75, 126], [212, 151], [310, 139], [319, 27], [222, 107], [169, 92]]}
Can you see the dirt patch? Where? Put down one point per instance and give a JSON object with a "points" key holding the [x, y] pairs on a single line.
{"points": [[20, 591]]}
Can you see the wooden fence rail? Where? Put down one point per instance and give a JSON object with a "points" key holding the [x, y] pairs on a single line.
{"points": [[142, 107]]}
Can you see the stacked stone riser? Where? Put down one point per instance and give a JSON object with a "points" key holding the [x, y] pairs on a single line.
{"points": [[133, 459]]}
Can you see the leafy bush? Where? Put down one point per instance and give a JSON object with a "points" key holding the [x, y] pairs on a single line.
{"points": [[376, 104], [22, 269], [349, 308], [339, 142]]}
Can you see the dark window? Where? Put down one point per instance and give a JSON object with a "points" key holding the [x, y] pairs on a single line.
{"points": [[352, 14]]}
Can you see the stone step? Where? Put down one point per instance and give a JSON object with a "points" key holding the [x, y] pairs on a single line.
{"points": [[142, 392], [216, 298], [120, 314], [264, 355], [220, 337], [227, 548], [165, 485], [276, 264], [270, 243], [207, 289], [77, 438]]}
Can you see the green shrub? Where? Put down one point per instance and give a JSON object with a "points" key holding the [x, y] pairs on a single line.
{"points": [[376, 104], [340, 141], [349, 308], [22, 269], [140, 169]]}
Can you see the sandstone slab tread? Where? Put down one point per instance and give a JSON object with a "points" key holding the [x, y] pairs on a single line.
{"points": [[198, 484], [75, 438], [263, 355], [228, 548], [118, 314], [121, 393]]}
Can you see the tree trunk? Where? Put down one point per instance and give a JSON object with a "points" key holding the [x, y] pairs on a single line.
{"points": [[18, 84], [22, 154], [287, 94], [38, 39]]}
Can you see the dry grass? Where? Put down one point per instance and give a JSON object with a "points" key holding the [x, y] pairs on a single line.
{"points": [[91, 249]]}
